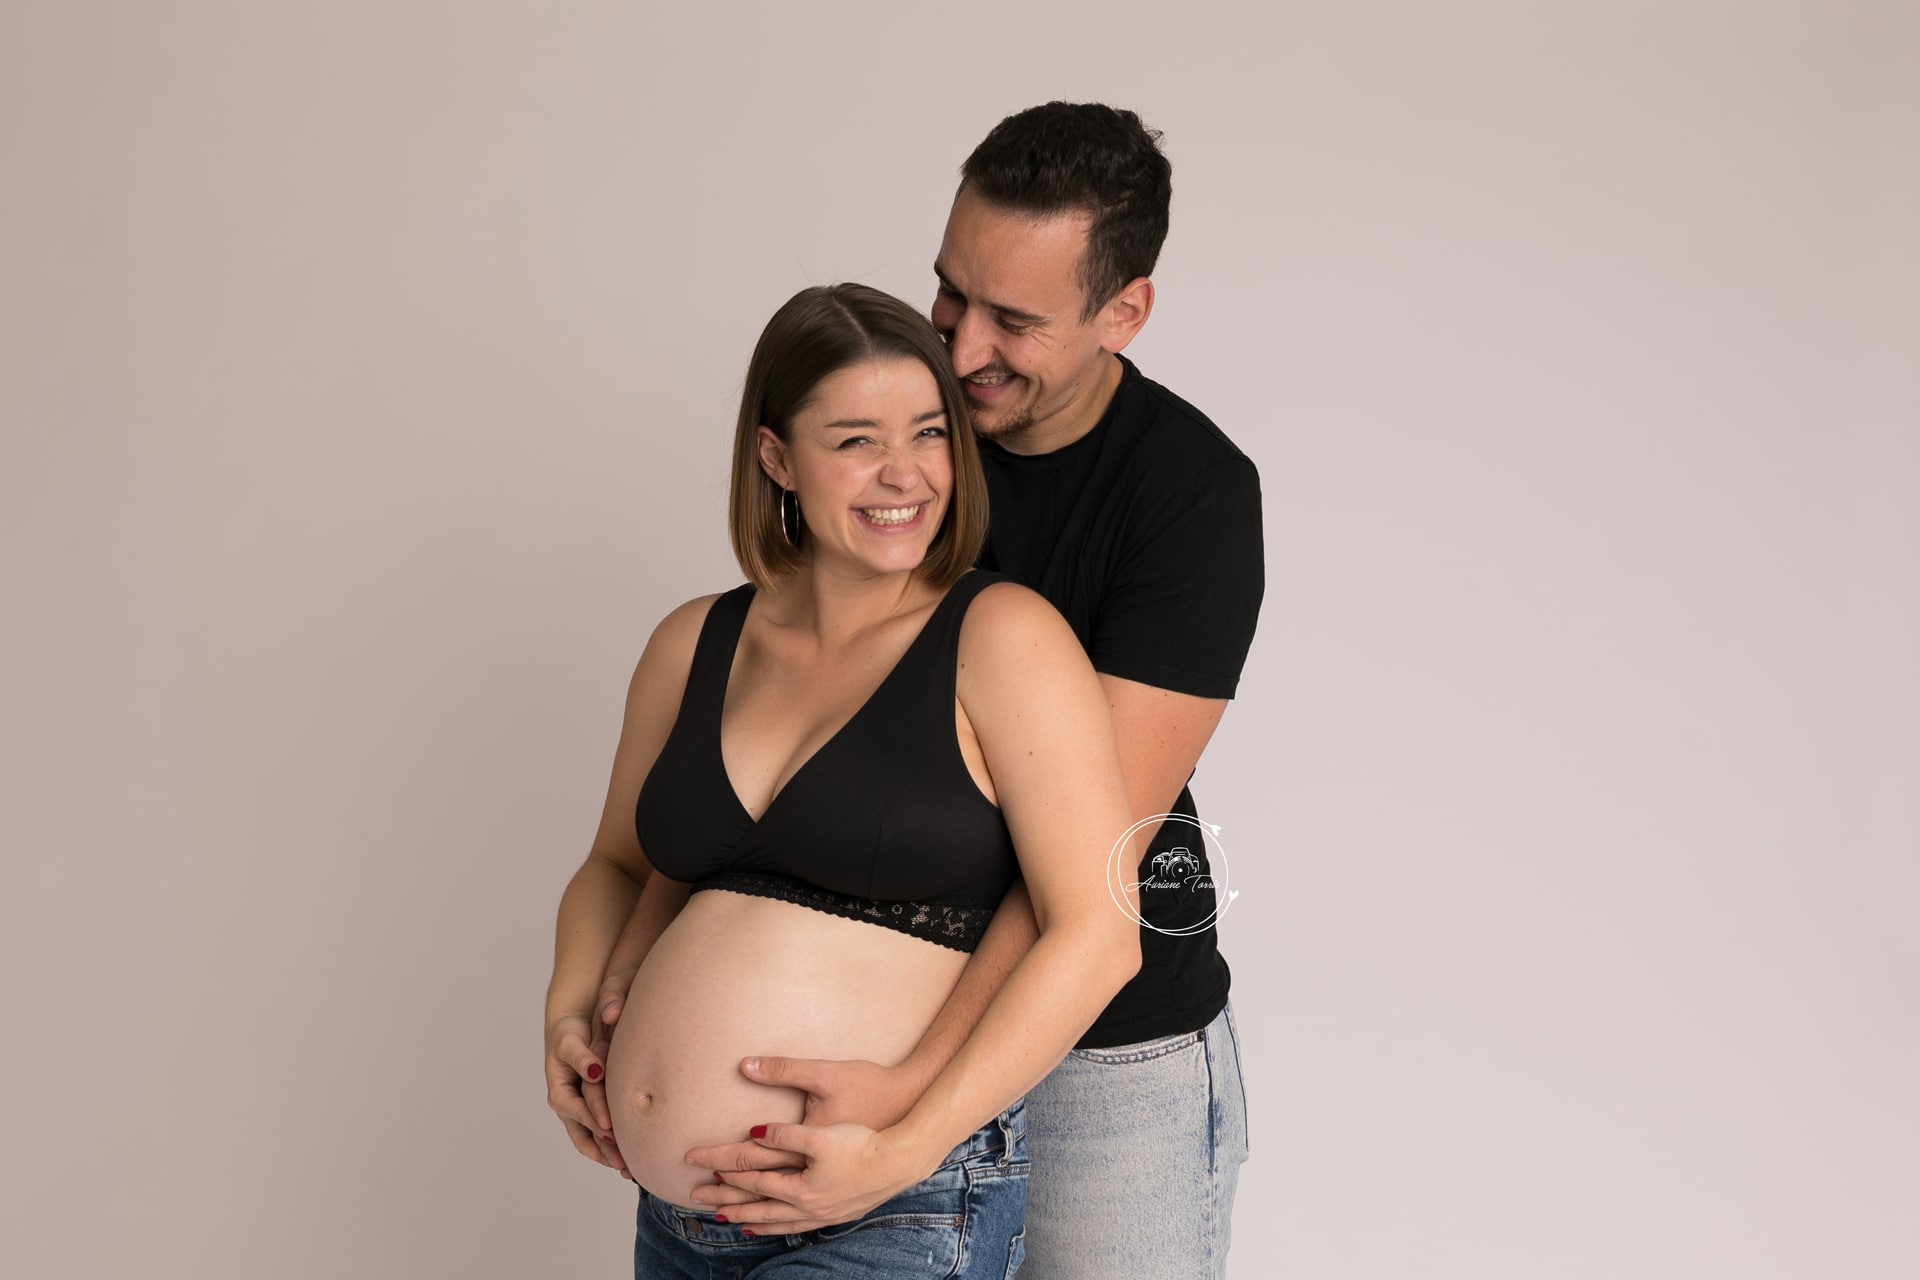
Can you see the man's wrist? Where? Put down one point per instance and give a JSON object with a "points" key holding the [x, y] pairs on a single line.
{"points": [[922, 1139], [916, 1073]]}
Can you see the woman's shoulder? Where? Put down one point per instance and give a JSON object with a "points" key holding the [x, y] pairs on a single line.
{"points": [[669, 651], [1008, 622], [682, 625]]}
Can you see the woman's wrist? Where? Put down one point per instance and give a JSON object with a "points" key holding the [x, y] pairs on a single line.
{"points": [[556, 1018]]}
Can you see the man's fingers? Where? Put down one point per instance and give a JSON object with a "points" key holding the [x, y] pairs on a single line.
{"points": [[791, 1073], [722, 1197], [610, 1154], [785, 1140], [595, 1097], [613, 994], [736, 1157], [595, 1091]]}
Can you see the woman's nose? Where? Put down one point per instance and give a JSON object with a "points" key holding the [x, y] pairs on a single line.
{"points": [[899, 470]]}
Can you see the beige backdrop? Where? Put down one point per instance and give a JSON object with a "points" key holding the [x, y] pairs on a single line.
{"points": [[366, 370]]}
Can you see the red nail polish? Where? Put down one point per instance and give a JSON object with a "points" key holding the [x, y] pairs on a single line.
{"points": [[745, 1232], [718, 1178], [719, 1217], [593, 1071], [758, 1131]]}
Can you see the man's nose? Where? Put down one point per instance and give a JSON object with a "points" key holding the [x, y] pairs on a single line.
{"points": [[969, 346]]}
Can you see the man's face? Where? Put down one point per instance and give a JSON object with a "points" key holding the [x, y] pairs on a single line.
{"points": [[1036, 375]]}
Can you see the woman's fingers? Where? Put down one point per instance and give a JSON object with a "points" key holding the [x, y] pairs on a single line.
{"points": [[849, 1170], [584, 1142], [570, 1063]]}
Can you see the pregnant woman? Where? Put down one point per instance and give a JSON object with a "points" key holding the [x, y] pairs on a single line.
{"points": [[846, 763]]}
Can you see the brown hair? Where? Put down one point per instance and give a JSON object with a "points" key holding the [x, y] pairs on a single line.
{"points": [[819, 332]]}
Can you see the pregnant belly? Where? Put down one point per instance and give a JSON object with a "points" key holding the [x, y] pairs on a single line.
{"points": [[735, 976]]}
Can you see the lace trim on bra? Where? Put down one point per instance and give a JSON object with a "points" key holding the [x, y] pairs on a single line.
{"points": [[958, 926]]}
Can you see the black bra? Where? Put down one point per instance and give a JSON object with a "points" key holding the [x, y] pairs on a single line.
{"points": [[883, 823]]}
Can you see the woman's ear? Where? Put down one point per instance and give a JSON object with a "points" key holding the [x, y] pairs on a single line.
{"points": [[773, 458]]}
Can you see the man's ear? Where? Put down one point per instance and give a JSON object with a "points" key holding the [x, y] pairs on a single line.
{"points": [[1126, 314], [773, 458]]}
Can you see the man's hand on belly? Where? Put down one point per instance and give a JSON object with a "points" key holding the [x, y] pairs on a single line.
{"points": [[849, 1092]]}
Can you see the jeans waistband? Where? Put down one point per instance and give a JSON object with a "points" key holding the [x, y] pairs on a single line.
{"points": [[997, 1138]]}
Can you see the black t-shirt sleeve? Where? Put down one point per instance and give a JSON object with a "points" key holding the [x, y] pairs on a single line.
{"points": [[1180, 610]]}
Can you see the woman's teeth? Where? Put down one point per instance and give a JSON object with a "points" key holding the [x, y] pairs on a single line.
{"points": [[890, 515]]}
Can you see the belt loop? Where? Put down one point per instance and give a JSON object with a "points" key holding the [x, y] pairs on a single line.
{"points": [[1006, 1138]]}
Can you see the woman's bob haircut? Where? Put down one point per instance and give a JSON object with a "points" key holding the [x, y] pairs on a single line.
{"points": [[819, 332]]}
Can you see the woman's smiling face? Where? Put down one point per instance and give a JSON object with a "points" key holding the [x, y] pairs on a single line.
{"points": [[868, 458]]}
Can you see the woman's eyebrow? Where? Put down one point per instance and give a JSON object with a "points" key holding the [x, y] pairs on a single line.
{"points": [[869, 424]]}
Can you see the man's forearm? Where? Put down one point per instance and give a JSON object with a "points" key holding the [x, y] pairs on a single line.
{"points": [[1010, 936], [660, 901], [600, 895]]}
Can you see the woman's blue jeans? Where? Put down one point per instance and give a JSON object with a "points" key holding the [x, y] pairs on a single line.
{"points": [[963, 1221]]}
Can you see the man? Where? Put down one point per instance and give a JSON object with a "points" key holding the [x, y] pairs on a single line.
{"points": [[1140, 522]]}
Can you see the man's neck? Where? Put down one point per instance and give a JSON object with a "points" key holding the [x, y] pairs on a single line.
{"points": [[1074, 423]]}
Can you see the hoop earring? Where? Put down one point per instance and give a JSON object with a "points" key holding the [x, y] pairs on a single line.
{"points": [[792, 534]]}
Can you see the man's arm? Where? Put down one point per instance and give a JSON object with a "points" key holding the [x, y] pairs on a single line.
{"points": [[1161, 735], [867, 1093]]}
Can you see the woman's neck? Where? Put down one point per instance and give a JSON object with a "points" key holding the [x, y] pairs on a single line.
{"points": [[838, 608]]}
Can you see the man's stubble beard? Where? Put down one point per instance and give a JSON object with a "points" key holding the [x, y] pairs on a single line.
{"points": [[1017, 424]]}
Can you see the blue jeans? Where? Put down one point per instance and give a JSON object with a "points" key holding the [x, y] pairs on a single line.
{"points": [[963, 1221], [1136, 1153]]}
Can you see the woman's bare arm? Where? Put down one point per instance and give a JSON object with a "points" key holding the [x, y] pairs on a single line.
{"points": [[599, 899]]}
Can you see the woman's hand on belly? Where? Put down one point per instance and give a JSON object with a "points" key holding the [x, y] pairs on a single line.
{"points": [[850, 1170], [572, 1092], [837, 1092]]}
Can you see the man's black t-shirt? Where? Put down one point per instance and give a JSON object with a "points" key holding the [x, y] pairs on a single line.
{"points": [[1145, 534]]}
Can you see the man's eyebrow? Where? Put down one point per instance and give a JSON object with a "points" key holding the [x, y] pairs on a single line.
{"points": [[1011, 314]]}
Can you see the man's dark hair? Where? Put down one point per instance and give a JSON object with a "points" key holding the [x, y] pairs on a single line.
{"points": [[1082, 157]]}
